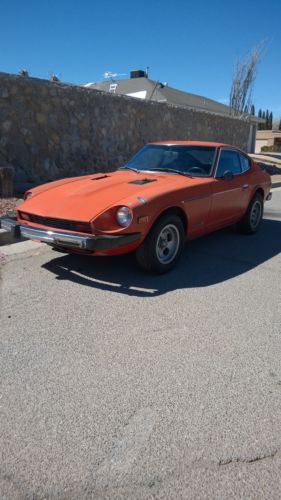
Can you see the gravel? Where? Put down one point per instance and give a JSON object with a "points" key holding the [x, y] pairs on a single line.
{"points": [[8, 204]]}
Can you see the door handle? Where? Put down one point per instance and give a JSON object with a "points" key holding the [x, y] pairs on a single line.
{"points": [[245, 186]]}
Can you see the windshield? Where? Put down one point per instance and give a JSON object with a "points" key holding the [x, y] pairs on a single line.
{"points": [[190, 160]]}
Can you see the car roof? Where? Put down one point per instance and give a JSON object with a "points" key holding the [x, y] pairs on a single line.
{"points": [[194, 143]]}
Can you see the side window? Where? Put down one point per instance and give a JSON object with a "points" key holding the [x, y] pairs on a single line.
{"points": [[245, 163], [229, 160]]}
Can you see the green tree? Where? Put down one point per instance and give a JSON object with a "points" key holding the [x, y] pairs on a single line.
{"points": [[268, 117], [266, 120], [263, 124], [253, 111], [280, 124], [260, 115]]}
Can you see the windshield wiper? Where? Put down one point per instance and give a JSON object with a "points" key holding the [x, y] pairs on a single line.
{"points": [[129, 168], [166, 169]]}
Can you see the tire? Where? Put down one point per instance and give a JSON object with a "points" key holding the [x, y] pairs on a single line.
{"points": [[163, 245], [253, 217]]}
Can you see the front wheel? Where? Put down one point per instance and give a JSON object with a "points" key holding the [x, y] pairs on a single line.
{"points": [[253, 217], [163, 245]]}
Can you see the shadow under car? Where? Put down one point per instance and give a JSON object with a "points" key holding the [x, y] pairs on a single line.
{"points": [[206, 261]]}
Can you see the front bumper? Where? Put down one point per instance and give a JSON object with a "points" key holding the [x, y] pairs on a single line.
{"points": [[67, 239]]}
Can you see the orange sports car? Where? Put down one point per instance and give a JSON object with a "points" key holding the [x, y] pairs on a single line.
{"points": [[168, 192]]}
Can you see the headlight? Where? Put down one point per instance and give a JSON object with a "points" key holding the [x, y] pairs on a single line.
{"points": [[124, 216], [27, 195]]}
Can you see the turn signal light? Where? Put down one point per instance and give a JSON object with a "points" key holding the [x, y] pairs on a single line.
{"points": [[82, 227], [24, 216]]}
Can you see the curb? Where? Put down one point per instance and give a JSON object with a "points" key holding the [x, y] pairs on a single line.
{"points": [[10, 252], [7, 238]]}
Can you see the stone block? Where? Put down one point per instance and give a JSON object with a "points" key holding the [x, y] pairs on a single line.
{"points": [[7, 174], [4, 93], [6, 125], [55, 137], [41, 118]]}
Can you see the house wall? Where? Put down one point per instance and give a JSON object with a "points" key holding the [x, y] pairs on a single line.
{"points": [[50, 130], [260, 143], [267, 138]]}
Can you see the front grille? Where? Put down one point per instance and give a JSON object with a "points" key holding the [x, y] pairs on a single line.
{"points": [[69, 225]]}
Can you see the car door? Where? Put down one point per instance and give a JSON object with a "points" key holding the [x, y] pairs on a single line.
{"points": [[229, 192]]}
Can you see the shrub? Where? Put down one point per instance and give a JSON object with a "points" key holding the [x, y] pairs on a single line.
{"points": [[272, 149]]}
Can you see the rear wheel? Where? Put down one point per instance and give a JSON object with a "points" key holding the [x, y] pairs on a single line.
{"points": [[253, 217], [163, 245]]}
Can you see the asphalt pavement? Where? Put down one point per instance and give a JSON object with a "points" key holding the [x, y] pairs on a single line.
{"points": [[116, 384]]}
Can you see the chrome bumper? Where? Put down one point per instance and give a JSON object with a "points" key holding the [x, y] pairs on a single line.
{"points": [[66, 239]]}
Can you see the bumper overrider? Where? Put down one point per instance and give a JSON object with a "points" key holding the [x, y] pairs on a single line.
{"points": [[67, 239]]}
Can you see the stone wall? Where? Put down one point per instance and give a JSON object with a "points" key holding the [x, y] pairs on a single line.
{"points": [[50, 130]]}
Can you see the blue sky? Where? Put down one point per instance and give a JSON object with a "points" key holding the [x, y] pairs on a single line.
{"points": [[191, 45]]}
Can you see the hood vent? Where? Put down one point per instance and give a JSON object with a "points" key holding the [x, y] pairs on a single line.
{"points": [[142, 181], [100, 177]]}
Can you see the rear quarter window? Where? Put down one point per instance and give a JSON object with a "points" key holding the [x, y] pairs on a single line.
{"points": [[228, 161], [245, 163]]}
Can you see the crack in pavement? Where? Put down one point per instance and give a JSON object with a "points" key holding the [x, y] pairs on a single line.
{"points": [[90, 488], [250, 460]]}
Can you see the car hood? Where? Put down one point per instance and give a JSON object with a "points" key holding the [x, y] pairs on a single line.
{"points": [[82, 198]]}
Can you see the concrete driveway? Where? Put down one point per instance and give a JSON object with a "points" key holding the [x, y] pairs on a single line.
{"points": [[117, 384]]}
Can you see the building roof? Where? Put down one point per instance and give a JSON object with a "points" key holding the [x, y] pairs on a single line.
{"points": [[150, 90]]}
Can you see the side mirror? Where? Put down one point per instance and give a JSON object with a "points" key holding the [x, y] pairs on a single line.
{"points": [[227, 176]]}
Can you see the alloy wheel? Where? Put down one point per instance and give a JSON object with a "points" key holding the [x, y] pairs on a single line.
{"points": [[167, 244]]}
